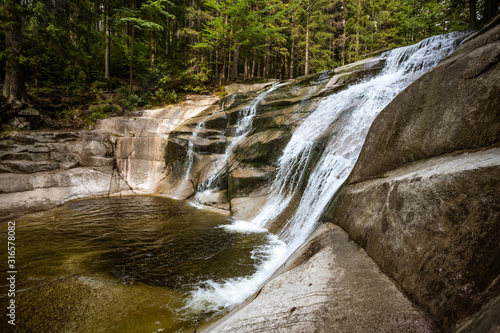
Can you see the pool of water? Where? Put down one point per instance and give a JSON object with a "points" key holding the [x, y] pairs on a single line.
{"points": [[124, 264]]}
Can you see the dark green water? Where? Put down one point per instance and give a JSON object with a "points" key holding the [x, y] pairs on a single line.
{"points": [[121, 264]]}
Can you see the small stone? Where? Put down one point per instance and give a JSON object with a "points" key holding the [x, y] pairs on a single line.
{"points": [[39, 149], [29, 112], [20, 123]]}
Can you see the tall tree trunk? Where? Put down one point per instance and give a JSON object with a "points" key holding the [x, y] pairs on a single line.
{"points": [[235, 63], [358, 14], [217, 65], [245, 73], [472, 15], [164, 44], [265, 70], [173, 46], [14, 88], [306, 67], [490, 9], [344, 38], [152, 39], [127, 29], [229, 65], [108, 42], [292, 57], [97, 23], [276, 60], [223, 69], [252, 73], [131, 85]]}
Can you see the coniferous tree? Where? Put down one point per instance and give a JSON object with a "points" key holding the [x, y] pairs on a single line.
{"points": [[14, 88]]}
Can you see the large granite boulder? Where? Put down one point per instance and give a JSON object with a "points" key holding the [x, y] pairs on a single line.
{"points": [[455, 107]]}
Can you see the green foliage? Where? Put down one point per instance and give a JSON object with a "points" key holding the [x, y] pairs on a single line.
{"points": [[133, 101], [66, 114], [162, 97], [183, 45], [101, 112]]}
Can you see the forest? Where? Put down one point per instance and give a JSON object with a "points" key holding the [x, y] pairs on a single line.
{"points": [[151, 52]]}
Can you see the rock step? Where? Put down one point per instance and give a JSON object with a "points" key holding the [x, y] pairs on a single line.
{"points": [[34, 166], [25, 157], [246, 179]]}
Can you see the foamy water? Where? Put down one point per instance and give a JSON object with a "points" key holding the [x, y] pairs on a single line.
{"points": [[210, 296]]}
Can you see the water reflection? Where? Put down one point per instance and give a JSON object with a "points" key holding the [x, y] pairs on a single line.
{"points": [[123, 264]]}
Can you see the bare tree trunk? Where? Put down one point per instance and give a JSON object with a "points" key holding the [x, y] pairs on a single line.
{"points": [[108, 42], [265, 70], [283, 73], [344, 37], [306, 67], [173, 46], [164, 37], [245, 72], [235, 63], [153, 48], [97, 8], [131, 86], [223, 71], [229, 65], [252, 74], [14, 88], [292, 51], [491, 9], [472, 15], [275, 62], [357, 30], [217, 64]]}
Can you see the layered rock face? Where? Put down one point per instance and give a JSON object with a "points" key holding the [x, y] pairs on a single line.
{"points": [[122, 155], [42, 169], [423, 199]]}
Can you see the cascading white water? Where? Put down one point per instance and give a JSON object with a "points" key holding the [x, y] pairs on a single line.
{"points": [[246, 117], [337, 128], [354, 109], [244, 127], [190, 152]]}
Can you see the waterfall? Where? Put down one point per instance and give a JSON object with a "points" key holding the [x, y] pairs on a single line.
{"points": [[317, 160], [343, 120], [246, 116], [244, 126], [190, 152]]}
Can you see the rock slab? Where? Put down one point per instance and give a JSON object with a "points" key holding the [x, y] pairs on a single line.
{"points": [[330, 285]]}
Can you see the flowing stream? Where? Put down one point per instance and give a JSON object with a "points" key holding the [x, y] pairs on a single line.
{"points": [[318, 159]]}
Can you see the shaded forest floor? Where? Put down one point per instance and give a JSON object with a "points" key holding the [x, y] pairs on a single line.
{"points": [[60, 108], [67, 109]]}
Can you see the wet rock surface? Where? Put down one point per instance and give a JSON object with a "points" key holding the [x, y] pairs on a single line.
{"points": [[212, 147], [432, 226]]}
